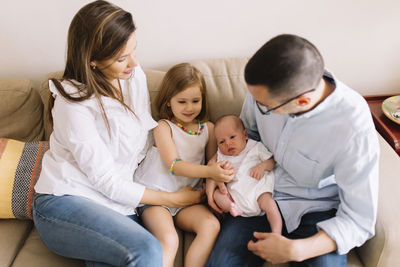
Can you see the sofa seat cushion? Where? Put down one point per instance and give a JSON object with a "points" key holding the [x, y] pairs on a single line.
{"points": [[35, 254], [38, 255], [13, 235]]}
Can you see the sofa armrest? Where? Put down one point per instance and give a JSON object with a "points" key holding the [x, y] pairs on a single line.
{"points": [[384, 248]]}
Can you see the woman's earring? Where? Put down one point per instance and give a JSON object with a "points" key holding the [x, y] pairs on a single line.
{"points": [[93, 67]]}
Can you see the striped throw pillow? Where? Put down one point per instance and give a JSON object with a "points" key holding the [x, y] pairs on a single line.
{"points": [[20, 165]]}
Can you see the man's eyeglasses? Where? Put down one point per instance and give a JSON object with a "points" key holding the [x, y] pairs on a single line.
{"points": [[265, 111]]}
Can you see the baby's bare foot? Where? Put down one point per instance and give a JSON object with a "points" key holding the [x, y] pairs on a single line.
{"points": [[235, 210]]}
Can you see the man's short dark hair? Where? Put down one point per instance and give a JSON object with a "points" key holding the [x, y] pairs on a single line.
{"points": [[287, 65]]}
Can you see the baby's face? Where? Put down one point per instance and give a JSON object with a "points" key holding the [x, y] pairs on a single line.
{"points": [[231, 140]]}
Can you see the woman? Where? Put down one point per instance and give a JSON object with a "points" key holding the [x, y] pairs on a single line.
{"points": [[86, 199]]}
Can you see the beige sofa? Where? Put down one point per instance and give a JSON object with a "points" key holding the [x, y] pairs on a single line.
{"points": [[21, 117]]}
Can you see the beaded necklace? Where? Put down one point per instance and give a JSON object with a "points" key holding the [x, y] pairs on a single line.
{"points": [[187, 130]]}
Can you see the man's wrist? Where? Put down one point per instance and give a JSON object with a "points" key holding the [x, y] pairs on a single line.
{"points": [[296, 250], [310, 247]]}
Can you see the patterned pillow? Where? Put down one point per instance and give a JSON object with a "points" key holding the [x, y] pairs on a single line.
{"points": [[20, 166]]}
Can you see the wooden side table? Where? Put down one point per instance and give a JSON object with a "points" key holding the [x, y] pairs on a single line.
{"points": [[389, 130]]}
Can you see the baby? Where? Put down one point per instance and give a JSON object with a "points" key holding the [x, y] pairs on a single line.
{"points": [[250, 192]]}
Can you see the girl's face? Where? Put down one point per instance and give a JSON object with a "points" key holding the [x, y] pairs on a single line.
{"points": [[120, 66], [186, 105]]}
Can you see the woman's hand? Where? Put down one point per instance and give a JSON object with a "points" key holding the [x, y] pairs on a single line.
{"points": [[187, 196], [221, 171], [183, 197]]}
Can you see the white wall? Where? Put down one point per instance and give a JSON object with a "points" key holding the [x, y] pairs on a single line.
{"points": [[359, 39]]}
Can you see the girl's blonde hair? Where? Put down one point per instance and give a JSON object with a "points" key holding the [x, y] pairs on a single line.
{"points": [[177, 79]]}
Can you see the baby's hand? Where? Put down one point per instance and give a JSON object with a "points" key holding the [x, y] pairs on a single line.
{"points": [[257, 171]]}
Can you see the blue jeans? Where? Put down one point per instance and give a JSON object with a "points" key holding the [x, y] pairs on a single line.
{"points": [[231, 246], [79, 228]]}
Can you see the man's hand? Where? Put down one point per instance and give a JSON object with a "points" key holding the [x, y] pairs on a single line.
{"points": [[272, 247], [211, 185], [277, 248]]}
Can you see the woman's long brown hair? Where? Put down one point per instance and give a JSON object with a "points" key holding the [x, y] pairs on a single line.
{"points": [[97, 32]]}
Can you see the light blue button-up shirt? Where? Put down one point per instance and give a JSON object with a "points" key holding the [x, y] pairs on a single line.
{"points": [[326, 158]]}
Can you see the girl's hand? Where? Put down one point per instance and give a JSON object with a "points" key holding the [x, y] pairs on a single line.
{"points": [[187, 196], [218, 173]]}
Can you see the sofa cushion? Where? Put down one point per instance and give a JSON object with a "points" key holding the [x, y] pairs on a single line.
{"points": [[154, 78], [13, 234], [20, 165], [225, 82], [21, 110], [35, 254]]}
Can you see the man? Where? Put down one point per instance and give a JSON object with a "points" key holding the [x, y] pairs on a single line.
{"points": [[326, 149]]}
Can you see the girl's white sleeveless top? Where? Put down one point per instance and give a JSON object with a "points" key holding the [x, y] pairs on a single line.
{"points": [[155, 175]]}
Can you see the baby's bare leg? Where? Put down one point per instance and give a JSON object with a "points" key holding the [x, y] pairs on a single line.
{"points": [[225, 202], [269, 206]]}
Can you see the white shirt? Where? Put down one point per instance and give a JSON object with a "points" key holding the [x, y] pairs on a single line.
{"points": [[326, 158], [83, 160]]}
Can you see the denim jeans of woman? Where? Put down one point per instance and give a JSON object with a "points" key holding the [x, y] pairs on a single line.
{"points": [[231, 246], [79, 228]]}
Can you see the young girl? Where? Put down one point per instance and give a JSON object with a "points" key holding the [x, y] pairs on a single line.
{"points": [[184, 139]]}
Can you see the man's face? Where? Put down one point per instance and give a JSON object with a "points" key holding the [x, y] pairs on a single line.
{"points": [[261, 94]]}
